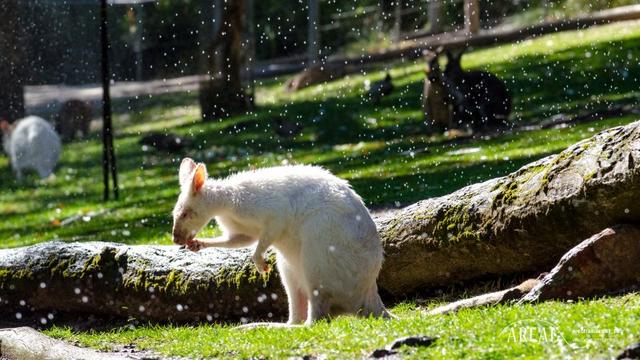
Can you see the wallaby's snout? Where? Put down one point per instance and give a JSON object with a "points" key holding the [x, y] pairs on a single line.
{"points": [[180, 234], [178, 237]]}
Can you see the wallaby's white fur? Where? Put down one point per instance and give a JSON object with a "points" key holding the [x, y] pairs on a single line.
{"points": [[32, 144], [327, 248]]}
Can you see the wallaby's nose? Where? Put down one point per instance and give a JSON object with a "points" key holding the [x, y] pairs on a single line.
{"points": [[175, 234]]}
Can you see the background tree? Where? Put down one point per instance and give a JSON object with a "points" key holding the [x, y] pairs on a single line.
{"points": [[434, 12], [223, 93], [11, 61]]}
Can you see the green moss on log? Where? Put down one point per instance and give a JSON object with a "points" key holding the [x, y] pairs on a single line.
{"points": [[10, 279]]}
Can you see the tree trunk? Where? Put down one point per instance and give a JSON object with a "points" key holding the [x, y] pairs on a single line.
{"points": [[520, 223], [12, 75], [313, 32], [223, 94], [434, 12], [472, 16], [397, 21]]}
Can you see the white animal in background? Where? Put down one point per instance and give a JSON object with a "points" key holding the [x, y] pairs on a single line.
{"points": [[31, 144], [328, 251]]}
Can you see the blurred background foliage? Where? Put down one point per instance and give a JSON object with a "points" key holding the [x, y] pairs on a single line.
{"points": [[169, 33]]}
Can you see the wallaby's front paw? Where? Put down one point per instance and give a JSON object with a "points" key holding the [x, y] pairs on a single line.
{"points": [[195, 245], [261, 265]]}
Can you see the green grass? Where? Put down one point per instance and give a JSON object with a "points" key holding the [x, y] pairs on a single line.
{"points": [[597, 327], [384, 152]]}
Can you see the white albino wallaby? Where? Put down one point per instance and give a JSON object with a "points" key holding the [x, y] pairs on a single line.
{"points": [[31, 144], [328, 251]]}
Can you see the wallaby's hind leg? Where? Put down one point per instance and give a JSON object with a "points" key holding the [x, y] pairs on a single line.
{"points": [[373, 306], [298, 300], [318, 308]]}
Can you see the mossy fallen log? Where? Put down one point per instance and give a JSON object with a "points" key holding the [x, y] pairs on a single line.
{"points": [[159, 283], [523, 222]]}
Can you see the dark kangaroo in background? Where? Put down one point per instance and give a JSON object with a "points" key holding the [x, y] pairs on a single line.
{"points": [[479, 99], [436, 106]]}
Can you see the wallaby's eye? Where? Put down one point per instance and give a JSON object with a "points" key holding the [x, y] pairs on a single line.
{"points": [[186, 214]]}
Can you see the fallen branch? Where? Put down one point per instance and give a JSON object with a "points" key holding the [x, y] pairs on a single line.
{"points": [[499, 297], [606, 263]]}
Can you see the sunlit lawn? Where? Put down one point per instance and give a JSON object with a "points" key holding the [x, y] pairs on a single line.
{"points": [[385, 154], [600, 328]]}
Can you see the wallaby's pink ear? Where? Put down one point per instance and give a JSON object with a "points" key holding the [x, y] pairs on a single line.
{"points": [[199, 177], [186, 168]]}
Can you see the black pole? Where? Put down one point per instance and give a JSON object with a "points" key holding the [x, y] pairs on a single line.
{"points": [[108, 152]]}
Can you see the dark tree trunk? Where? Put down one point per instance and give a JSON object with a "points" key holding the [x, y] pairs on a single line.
{"points": [[434, 12], [223, 94], [11, 61]]}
